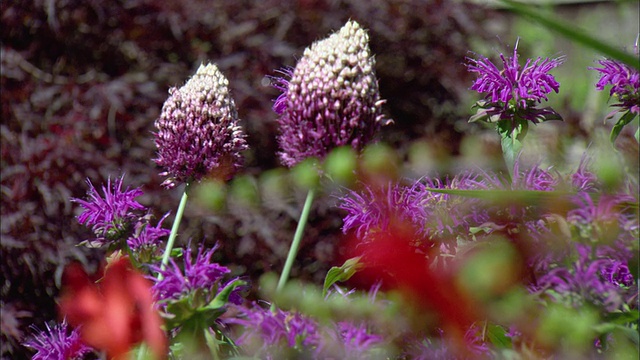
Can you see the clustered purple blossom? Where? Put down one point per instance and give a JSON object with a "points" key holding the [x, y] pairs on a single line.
{"points": [[198, 131], [270, 334], [115, 216], [110, 217], [600, 280], [58, 343], [199, 275], [267, 331], [331, 98], [513, 91], [624, 81]]}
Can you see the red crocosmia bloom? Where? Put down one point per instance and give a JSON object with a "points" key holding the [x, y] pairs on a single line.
{"points": [[395, 258], [116, 313]]}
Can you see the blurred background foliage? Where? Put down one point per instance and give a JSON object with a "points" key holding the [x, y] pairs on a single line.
{"points": [[83, 81]]}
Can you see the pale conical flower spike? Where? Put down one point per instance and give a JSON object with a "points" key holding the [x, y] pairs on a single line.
{"points": [[198, 131], [331, 99]]}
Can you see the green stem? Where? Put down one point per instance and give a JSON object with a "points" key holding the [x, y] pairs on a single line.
{"points": [[174, 231], [293, 250]]}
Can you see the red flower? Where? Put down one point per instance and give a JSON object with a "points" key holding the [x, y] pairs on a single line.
{"points": [[116, 313], [394, 258]]}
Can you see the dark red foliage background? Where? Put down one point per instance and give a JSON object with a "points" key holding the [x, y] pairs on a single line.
{"points": [[83, 81]]}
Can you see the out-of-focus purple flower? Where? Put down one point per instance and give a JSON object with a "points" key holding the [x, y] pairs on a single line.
{"points": [[583, 179], [617, 273], [533, 178], [372, 210], [58, 343], [440, 348], [198, 131], [147, 236], [513, 91], [602, 217], [272, 333], [585, 280], [331, 98], [356, 339], [624, 81], [200, 275], [110, 217]]}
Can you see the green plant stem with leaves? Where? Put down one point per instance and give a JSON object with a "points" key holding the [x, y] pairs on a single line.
{"points": [[295, 244], [174, 230], [512, 134]]}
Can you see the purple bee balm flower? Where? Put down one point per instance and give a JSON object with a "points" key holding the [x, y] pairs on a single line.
{"points": [[110, 217], [198, 130], [585, 280], [357, 340], [200, 275], [583, 179], [146, 235], [331, 98], [58, 343], [372, 210], [513, 91], [624, 81], [269, 332]]}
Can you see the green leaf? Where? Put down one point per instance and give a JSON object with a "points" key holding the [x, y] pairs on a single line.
{"points": [[569, 30], [512, 133], [498, 336], [621, 318], [342, 273], [617, 128], [223, 296]]}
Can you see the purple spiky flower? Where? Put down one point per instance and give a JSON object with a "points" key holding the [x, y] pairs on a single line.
{"points": [[270, 333], [331, 98], [198, 131], [624, 81], [375, 209], [197, 275], [112, 215], [147, 236], [513, 91], [59, 342]]}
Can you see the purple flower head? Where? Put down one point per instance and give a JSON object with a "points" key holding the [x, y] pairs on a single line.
{"points": [[624, 81], [111, 216], [147, 236], [357, 340], [372, 210], [267, 332], [583, 179], [198, 131], [331, 98], [590, 278], [514, 90], [58, 343], [198, 275]]}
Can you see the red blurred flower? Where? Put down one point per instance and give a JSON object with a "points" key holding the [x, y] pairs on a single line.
{"points": [[395, 258], [116, 313]]}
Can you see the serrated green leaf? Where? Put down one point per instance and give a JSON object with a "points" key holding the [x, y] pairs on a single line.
{"points": [[621, 318], [342, 273]]}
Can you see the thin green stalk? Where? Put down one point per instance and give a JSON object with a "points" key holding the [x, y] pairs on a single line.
{"points": [[174, 230], [293, 250]]}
